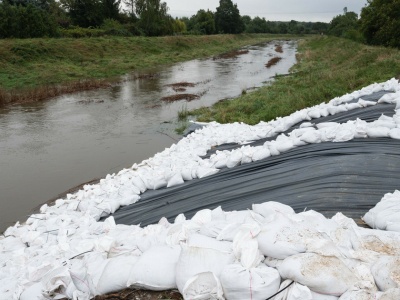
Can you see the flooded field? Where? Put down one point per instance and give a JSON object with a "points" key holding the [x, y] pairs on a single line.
{"points": [[49, 147]]}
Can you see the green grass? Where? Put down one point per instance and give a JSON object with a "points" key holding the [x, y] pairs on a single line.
{"points": [[32, 63], [183, 113], [327, 67]]}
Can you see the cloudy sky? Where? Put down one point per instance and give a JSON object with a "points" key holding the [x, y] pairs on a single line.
{"points": [[275, 10]]}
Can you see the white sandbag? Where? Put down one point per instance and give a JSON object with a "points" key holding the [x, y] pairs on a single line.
{"points": [[364, 103], [155, 269], [245, 246], [295, 291], [187, 173], [247, 153], [213, 229], [203, 286], [297, 142], [175, 180], [234, 159], [270, 208], [360, 129], [34, 292], [272, 148], [380, 242], [324, 112], [377, 132], [386, 272], [344, 133], [306, 124], [279, 238], [389, 98], [326, 124], [116, 274], [385, 212], [358, 294], [195, 260], [203, 216], [284, 145], [229, 232], [307, 269], [314, 114], [317, 296], [258, 283], [333, 110], [202, 172], [393, 226], [260, 153], [138, 182], [395, 133], [311, 137], [56, 282], [390, 294], [384, 123], [199, 240], [351, 106]]}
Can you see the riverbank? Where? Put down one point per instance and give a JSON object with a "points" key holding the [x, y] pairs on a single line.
{"points": [[327, 67], [38, 69]]}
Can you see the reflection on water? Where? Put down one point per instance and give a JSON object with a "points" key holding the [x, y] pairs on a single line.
{"points": [[49, 147]]}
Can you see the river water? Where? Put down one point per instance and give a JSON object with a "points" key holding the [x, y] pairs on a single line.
{"points": [[49, 147]]}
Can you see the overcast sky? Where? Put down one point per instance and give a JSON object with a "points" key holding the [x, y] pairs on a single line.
{"points": [[276, 10]]}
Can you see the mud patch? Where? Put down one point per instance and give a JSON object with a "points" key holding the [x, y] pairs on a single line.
{"points": [[178, 97], [179, 89], [273, 61], [232, 54], [182, 84], [133, 294], [89, 101], [146, 76], [278, 48]]}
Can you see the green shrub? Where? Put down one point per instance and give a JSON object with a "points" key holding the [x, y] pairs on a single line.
{"points": [[79, 32]]}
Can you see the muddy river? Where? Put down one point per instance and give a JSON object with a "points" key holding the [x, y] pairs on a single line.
{"points": [[49, 147]]}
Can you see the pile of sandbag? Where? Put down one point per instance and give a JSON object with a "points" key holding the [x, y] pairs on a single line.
{"points": [[64, 251], [386, 214], [249, 254]]}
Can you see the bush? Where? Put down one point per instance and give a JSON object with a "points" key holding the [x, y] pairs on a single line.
{"points": [[79, 32], [25, 22], [113, 27]]}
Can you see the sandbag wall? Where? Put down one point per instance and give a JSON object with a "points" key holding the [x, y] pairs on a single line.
{"points": [[215, 230]]}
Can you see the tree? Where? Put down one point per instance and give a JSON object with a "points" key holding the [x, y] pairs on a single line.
{"points": [[131, 4], [178, 26], [25, 21], [84, 13], [227, 18], [203, 22], [341, 24], [380, 22], [153, 17], [111, 9]]}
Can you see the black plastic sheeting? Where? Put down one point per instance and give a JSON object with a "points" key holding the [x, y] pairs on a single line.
{"points": [[349, 177]]}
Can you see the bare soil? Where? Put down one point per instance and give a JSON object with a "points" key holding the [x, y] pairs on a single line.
{"points": [[181, 84], [278, 48], [232, 54], [273, 61], [178, 97], [134, 294]]}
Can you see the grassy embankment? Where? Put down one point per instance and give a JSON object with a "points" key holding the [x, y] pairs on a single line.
{"points": [[327, 67], [36, 69]]}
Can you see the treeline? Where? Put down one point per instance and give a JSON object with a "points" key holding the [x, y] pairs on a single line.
{"points": [[378, 23]]}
